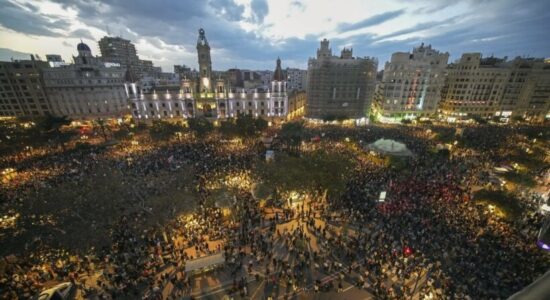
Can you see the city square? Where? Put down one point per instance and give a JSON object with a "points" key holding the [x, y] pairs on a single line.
{"points": [[209, 218]]}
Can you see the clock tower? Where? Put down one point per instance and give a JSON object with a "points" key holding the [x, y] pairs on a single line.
{"points": [[205, 63]]}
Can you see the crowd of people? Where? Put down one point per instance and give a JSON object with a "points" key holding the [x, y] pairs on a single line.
{"points": [[428, 237]]}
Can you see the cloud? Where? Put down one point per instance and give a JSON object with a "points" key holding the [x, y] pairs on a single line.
{"points": [[228, 9], [372, 21], [26, 19], [82, 33], [298, 5], [252, 33], [259, 10], [420, 27]]}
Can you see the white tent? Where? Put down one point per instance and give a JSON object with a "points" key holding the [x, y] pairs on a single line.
{"points": [[390, 147], [204, 262]]}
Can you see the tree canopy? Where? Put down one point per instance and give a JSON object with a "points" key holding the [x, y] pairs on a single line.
{"points": [[200, 126], [315, 171], [292, 134], [244, 126], [162, 130]]}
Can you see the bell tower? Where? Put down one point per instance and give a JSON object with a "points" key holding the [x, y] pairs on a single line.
{"points": [[205, 63]]}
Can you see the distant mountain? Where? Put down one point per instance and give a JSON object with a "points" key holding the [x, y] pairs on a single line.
{"points": [[7, 54]]}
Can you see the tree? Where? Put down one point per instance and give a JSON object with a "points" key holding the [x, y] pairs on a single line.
{"points": [[329, 118], [102, 125], [162, 130], [373, 118], [200, 126], [479, 120], [261, 124], [228, 128], [292, 134], [51, 123], [518, 119], [51, 127], [314, 172], [245, 125], [121, 134], [341, 118]]}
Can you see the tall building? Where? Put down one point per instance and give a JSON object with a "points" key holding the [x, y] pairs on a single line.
{"points": [[475, 86], [339, 87], [22, 89], [411, 83], [89, 88], [527, 90], [123, 52], [297, 79], [494, 87], [184, 71], [234, 78], [266, 76], [210, 95]]}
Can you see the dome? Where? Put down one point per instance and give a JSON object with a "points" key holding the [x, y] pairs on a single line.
{"points": [[83, 47]]}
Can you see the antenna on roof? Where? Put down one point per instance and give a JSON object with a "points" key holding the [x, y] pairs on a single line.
{"points": [[108, 31]]}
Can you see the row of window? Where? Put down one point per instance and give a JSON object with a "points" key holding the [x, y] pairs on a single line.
{"points": [[27, 100], [190, 112]]}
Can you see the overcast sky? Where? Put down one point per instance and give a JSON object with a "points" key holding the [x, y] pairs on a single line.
{"points": [[253, 33]]}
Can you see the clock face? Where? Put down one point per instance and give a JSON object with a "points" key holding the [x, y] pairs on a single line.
{"points": [[201, 31], [205, 82]]}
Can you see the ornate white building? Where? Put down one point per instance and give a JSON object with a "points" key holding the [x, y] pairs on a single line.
{"points": [[207, 96], [89, 88]]}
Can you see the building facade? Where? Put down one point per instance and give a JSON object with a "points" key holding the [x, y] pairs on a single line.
{"points": [[339, 87], [297, 79], [89, 88], [494, 87], [22, 90], [123, 52], [411, 83], [296, 104], [54, 58], [210, 95], [527, 90]]}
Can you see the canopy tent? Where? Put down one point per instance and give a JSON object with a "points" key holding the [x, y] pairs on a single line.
{"points": [[389, 147], [204, 262]]}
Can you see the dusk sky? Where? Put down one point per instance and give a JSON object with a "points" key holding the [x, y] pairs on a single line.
{"points": [[253, 33]]}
